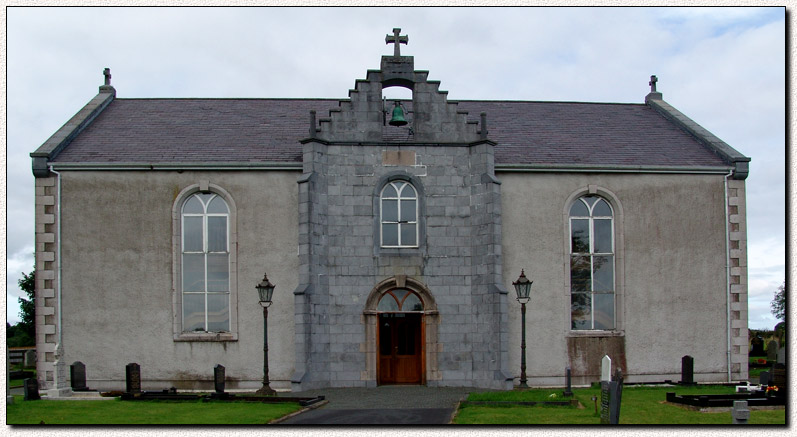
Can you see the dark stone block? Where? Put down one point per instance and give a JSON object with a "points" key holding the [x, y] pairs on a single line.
{"points": [[687, 370], [218, 378], [77, 376], [31, 389], [133, 378]]}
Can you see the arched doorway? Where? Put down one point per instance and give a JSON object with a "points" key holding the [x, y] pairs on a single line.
{"points": [[400, 334], [401, 320]]}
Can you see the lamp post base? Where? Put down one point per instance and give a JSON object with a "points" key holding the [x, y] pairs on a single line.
{"points": [[266, 391]]}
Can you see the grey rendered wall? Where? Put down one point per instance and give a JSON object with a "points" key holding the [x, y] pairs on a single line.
{"points": [[673, 296], [117, 278]]}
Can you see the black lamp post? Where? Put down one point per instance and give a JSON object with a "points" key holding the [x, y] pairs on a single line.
{"points": [[264, 290], [523, 288]]}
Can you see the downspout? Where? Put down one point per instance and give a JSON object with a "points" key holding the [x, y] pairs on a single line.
{"points": [[58, 255], [727, 271]]}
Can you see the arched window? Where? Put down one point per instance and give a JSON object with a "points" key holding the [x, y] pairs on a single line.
{"points": [[400, 300], [205, 261], [398, 215], [592, 266]]}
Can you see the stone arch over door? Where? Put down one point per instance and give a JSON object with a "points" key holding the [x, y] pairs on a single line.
{"points": [[431, 320]]}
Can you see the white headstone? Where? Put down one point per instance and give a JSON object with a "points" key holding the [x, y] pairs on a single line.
{"points": [[606, 368]]}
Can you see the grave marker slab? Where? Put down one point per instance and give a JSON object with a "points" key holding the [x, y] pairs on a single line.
{"points": [[763, 378], [687, 370], [218, 378], [568, 380], [741, 414], [31, 389], [30, 359], [606, 368], [772, 351], [77, 375], [133, 378]]}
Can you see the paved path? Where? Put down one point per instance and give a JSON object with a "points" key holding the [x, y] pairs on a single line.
{"points": [[385, 405]]}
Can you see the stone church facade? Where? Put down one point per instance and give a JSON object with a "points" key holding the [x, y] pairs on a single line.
{"points": [[393, 246]]}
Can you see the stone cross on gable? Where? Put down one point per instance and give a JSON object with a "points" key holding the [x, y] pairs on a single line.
{"points": [[397, 40], [652, 83], [107, 74]]}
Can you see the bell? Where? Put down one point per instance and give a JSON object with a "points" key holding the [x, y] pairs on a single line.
{"points": [[398, 116]]}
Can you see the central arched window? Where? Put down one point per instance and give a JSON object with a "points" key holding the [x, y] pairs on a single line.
{"points": [[592, 270], [205, 264], [399, 215]]}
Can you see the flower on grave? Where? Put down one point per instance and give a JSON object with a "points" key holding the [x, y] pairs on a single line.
{"points": [[552, 395], [762, 361], [772, 388]]}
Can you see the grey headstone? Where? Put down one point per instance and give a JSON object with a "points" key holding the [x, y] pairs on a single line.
{"points": [[31, 389], [133, 378], [606, 368], [568, 380], [687, 370], [741, 414], [30, 359], [218, 378], [763, 378], [772, 351], [611, 395], [782, 355], [77, 374]]}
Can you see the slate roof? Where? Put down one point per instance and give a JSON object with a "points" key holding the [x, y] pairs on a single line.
{"points": [[258, 130]]}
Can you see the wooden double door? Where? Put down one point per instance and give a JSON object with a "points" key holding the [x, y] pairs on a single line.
{"points": [[400, 357]]}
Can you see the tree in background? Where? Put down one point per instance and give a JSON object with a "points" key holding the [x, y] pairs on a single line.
{"points": [[24, 332], [778, 304]]}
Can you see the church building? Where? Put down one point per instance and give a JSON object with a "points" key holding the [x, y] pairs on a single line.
{"points": [[393, 231]]}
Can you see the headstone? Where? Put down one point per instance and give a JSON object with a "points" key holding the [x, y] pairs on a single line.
{"points": [[30, 359], [31, 389], [611, 396], [782, 355], [757, 347], [605, 394], [77, 374], [606, 368], [133, 378], [218, 378], [568, 390], [772, 351], [763, 378], [687, 370], [741, 414]]}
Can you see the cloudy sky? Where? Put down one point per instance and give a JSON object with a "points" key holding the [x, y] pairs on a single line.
{"points": [[723, 67]]}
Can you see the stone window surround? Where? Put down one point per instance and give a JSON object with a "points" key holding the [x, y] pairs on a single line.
{"points": [[185, 194], [420, 249], [619, 261]]}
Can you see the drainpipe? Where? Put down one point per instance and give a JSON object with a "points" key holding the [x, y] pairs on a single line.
{"points": [[727, 272], [58, 254]]}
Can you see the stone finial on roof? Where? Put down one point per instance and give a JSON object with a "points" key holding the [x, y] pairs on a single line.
{"points": [[654, 95], [397, 40], [107, 86]]}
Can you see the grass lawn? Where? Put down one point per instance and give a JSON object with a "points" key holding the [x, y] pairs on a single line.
{"points": [[640, 406], [118, 412]]}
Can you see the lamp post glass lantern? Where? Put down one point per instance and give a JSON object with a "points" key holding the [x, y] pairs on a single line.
{"points": [[265, 290], [523, 289]]}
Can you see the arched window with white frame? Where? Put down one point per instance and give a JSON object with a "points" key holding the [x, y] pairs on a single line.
{"points": [[398, 215], [205, 262], [592, 264]]}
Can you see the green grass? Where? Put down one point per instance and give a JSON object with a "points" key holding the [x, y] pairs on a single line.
{"points": [[118, 412], [640, 406]]}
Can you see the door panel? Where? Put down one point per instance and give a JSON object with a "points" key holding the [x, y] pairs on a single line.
{"points": [[400, 352]]}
